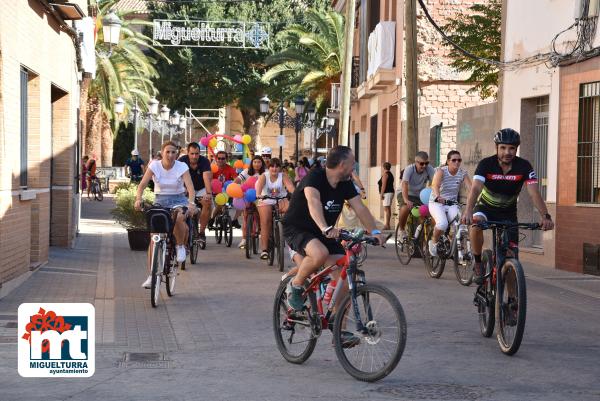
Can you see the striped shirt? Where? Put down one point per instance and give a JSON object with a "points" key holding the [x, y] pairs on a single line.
{"points": [[450, 186]]}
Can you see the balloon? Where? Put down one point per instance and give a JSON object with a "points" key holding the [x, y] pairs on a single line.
{"points": [[247, 160], [204, 141], [424, 195], [239, 203], [225, 185], [235, 190], [246, 165], [246, 139], [238, 164], [250, 195], [213, 143], [239, 147], [251, 181], [237, 138], [216, 186], [221, 199], [214, 168], [245, 187], [424, 210], [415, 212]]}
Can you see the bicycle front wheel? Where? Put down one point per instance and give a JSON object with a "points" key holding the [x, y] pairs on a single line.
{"points": [[511, 306], [405, 247], [280, 245], [218, 229], [227, 231], [271, 248], [171, 274], [373, 353], [463, 268], [194, 243], [158, 256], [293, 332], [98, 193], [485, 296], [434, 264], [248, 236]]}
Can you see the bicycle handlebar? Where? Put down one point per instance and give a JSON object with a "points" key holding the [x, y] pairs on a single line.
{"points": [[507, 224], [346, 235], [276, 198]]}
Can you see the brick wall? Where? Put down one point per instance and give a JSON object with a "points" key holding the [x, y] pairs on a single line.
{"points": [[14, 238]]}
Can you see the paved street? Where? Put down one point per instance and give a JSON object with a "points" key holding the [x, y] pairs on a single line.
{"points": [[214, 339]]}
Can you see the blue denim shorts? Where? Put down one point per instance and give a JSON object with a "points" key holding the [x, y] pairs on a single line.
{"points": [[171, 201]]}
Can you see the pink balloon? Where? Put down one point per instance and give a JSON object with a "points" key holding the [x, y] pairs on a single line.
{"points": [[217, 186], [424, 210], [204, 141], [251, 181], [245, 187], [237, 138], [239, 203]]}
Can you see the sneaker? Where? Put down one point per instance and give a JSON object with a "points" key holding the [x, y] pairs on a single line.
{"points": [[294, 296], [264, 255], [235, 224], [477, 276], [181, 254], [432, 248], [349, 340], [148, 283], [202, 236], [211, 223], [242, 244]]}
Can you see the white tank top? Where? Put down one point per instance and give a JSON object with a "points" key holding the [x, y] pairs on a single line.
{"points": [[273, 188]]}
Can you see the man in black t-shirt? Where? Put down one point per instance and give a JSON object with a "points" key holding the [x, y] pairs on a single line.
{"points": [[308, 225], [497, 182], [201, 177]]}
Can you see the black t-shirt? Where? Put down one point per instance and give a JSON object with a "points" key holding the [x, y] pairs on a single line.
{"points": [[203, 165], [332, 199], [500, 190]]}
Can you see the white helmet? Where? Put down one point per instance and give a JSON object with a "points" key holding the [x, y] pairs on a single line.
{"points": [[266, 151], [134, 152]]}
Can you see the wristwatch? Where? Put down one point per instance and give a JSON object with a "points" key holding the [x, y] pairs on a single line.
{"points": [[326, 230]]}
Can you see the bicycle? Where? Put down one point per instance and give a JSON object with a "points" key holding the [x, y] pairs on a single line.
{"points": [[502, 294], [276, 244], [222, 226], [252, 229], [454, 244], [96, 188], [164, 266], [195, 242], [357, 309], [415, 241]]}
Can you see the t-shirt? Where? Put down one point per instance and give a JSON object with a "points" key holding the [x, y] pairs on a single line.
{"points": [[500, 190], [135, 165], [332, 200], [226, 174], [416, 181], [196, 174], [450, 185], [168, 182]]}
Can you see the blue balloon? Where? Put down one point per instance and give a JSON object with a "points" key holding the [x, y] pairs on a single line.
{"points": [[239, 147], [250, 195], [225, 184], [247, 160], [424, 195]]}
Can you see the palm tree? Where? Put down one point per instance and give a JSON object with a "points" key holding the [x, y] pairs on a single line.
{"points": [[127, 71], [313, 60]]}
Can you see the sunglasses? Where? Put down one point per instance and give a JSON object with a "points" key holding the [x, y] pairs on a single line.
{"points": [[266, 156], [456, 160], [221, 158], [423, 163]]}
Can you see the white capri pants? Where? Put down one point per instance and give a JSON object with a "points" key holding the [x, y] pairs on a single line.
{"points": [[442, 214]]}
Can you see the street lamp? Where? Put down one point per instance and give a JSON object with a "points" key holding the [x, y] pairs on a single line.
{"points": [[299, 103], [152, 111], [312, 117], [264, 104], [119, 105], [111, 31], [164, 117], [175, 118]]}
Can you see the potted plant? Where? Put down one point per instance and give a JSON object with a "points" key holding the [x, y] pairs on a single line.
{"points": [[132, 220]]}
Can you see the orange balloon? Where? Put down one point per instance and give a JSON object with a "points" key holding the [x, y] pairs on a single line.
{"points": [[246, 166], [238, 164], [214, 168], [234, 190]]}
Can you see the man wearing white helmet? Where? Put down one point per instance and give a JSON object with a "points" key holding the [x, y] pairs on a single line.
{"points": [[135, 166], [266, 153]]}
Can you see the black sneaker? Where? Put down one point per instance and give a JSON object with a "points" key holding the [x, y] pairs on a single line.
{"points": [[349, 340], [235, 224], [211, 223], [477, 276]]}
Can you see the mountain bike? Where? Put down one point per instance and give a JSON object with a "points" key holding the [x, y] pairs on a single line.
{"points": [[96, 188], [454, 244], [252, 229], [370, 313], [502, 295], [164, 266], [222, 226], [276, 244]]}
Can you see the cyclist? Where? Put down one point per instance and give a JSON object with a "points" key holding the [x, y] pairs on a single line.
{"points": [[171, 179], [135, 167], [91, 175], [274, 183], [413, 180], [308, 225], [256, 169], [224, 173], [201, 174], [266, 153], [497, 182], [445, 187]]}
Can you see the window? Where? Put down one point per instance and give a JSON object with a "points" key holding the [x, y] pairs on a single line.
{"points": [[24, 129], [373, 142], [588, 144], [541, 143]]}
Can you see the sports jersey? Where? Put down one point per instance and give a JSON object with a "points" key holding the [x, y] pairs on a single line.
{"points": [[501, 190]]}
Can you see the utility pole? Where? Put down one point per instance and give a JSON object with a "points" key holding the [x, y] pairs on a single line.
{"points": [[412, 85], [347, 72]]}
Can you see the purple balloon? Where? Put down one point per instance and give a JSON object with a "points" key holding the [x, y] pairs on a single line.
{"points": [[239, 203]]}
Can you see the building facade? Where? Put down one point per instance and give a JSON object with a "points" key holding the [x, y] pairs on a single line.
{"points": [[39, 100]]}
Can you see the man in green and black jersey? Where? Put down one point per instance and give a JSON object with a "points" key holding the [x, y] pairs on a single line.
{"points": [[497, 182]]}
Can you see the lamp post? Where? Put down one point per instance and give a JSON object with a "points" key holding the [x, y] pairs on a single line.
{"points": [[135, 123], [174, 123], [312, 117], [299, 104], [164, 117], [152, 111], [111, 30]]}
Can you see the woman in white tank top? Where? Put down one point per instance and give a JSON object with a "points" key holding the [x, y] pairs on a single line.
{"points": [[271, 183], [446, 186]]}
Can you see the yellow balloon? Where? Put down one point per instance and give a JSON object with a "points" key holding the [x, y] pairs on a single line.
{"points": [[213, 143], [221, 199], [246, 139]]}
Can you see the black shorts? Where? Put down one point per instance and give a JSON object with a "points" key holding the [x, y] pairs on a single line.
{"points": [[297, 239], [494, 215]]}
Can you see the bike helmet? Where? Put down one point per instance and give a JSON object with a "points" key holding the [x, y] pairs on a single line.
{"points": [[134, 152], [507, 136], [266, 151]]}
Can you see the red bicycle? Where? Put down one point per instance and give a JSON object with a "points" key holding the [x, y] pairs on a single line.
{"points": [[252, 229], [369, 326]]}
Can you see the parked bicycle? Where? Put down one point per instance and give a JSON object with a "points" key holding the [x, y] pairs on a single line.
{"points": [[252, 229], [96, 188], [164, 266], [371, 313], [455, 244], [276, 244], [502, 295], [414, 243]]}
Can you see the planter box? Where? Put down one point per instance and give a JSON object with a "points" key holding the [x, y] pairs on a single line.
{"points": [[139, 240]]}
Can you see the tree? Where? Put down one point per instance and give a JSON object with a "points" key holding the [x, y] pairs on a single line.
{"points": [[478, 32], [216, 77]]}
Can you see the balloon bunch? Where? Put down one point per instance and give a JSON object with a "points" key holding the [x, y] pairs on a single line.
{"points": [[229, 189], [423, 210]]}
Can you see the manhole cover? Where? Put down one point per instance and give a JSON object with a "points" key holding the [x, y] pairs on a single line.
{"points": [[11, 325], [144, 360], [433, 391]]}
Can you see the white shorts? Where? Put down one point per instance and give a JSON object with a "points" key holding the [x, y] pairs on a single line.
{"points": [[387, 199]]}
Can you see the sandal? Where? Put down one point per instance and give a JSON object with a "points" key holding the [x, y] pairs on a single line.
{"points": [[264, 255]]}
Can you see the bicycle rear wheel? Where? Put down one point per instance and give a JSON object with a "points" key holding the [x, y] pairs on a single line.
{"points": [[293, 332], [485, 296], [98, 193], [381, 342], [280, 241], [405, 247], [158, 256], [511, 306], [248, 236]]}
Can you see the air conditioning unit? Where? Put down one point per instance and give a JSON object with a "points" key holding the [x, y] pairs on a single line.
{"points": [[586, 8]]}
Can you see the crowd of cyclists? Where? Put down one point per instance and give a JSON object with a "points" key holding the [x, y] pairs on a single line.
{"points": [[318, 190]]}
